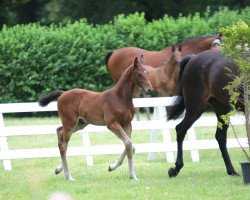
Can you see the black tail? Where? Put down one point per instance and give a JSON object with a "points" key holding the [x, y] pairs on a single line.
{"points": [[51, 97], [174, 111], [107, 58]]}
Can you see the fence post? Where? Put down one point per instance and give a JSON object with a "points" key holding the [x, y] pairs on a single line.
{"points": [[4, 145], [192, 142], [154, 133], [166, 135], [160, 114], [86, 143]]}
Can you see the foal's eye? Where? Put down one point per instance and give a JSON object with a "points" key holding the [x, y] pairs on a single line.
{"points": [[139, 76]]}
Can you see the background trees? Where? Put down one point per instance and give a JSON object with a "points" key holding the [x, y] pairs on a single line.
{"points": [[102, 11]]}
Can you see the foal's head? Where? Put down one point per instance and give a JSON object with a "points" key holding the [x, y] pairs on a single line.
{"points": [[140, 76], [174, 59]]}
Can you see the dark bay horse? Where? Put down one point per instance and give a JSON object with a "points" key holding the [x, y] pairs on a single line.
{"points": [[202, 81], [118, 60], [114, 108]]}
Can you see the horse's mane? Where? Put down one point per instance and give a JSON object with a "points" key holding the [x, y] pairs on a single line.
{"points": [[196, 38]]}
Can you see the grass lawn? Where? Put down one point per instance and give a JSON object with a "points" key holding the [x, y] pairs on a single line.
{"points": [[35, 178]]}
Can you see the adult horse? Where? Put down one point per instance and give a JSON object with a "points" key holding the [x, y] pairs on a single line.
{"points": [[202, 81], [117, 61], [114, 108]]}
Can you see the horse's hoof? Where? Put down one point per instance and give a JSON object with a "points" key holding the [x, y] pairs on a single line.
{"points": [[172, 172], [109, 169], [235, 174]]}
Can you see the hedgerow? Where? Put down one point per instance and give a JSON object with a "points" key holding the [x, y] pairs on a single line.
{"points": [[35, 59]]}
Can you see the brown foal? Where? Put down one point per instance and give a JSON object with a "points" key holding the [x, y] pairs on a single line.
{"points": [[164, 79], [114, 108]]}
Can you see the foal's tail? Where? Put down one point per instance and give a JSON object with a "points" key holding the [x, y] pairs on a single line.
{"points": [[51, 97], [174, 111]]}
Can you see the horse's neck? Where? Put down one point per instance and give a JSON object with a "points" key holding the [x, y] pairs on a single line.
{"points": [[198, 45], [124, 87]]}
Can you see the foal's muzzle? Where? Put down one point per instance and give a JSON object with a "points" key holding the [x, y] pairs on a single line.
{"points": [[148, 91]]}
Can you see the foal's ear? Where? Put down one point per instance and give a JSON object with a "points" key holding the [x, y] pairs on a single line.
{"points": [[173, 48], [136, 63]]}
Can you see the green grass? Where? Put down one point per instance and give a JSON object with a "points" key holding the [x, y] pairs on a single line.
{"points": [[35, 178]]}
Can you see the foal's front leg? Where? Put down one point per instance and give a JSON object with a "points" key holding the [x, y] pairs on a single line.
{"points": [[125, 137]]}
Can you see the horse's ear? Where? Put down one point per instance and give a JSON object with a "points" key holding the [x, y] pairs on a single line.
{"points": [[179, 47], [173, 48], [220, 36]]}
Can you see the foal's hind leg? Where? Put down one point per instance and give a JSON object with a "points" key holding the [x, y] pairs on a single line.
{"points": [[59, 135], [64, 135], [63, 140]]}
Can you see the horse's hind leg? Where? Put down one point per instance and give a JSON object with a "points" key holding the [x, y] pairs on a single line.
{"points": [[221, 137], [195, 106], [181, 130]]}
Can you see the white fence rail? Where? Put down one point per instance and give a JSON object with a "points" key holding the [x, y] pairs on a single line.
{"points": [[157, 124]]}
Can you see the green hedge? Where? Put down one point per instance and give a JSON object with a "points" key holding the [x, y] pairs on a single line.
{"points": [[35, 60]]}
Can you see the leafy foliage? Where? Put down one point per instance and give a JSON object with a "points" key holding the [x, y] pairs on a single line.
{"points": [[35, 59], [236, 41]]}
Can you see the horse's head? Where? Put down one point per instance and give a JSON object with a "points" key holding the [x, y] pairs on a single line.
{"points": [[140, 76], [216, 43]]}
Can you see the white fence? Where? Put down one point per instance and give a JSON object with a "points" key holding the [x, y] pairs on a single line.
{"points": [[157, 124]]}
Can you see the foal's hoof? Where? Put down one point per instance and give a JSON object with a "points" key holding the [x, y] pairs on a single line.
{"points": [[57, 171], [172, 172], [110, 170], [134, 178]]}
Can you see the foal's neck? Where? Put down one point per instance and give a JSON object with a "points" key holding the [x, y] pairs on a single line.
{"points": [[125, 87]]}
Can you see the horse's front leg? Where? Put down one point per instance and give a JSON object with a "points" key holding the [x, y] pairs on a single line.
{"points": [[125, 137]]}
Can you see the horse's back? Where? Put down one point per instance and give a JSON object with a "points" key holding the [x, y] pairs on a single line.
{"points": [[122, 58], [208, 74]]}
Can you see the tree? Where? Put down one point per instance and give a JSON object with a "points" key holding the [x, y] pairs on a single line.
{"points": [[236, 45]]}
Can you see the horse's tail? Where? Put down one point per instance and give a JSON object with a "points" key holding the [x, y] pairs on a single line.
{"points": [[174, 111], [107, 57], [50, 97]]}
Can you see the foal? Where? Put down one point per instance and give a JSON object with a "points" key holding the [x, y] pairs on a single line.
{"points": [[114, 108], [164, 79]]}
